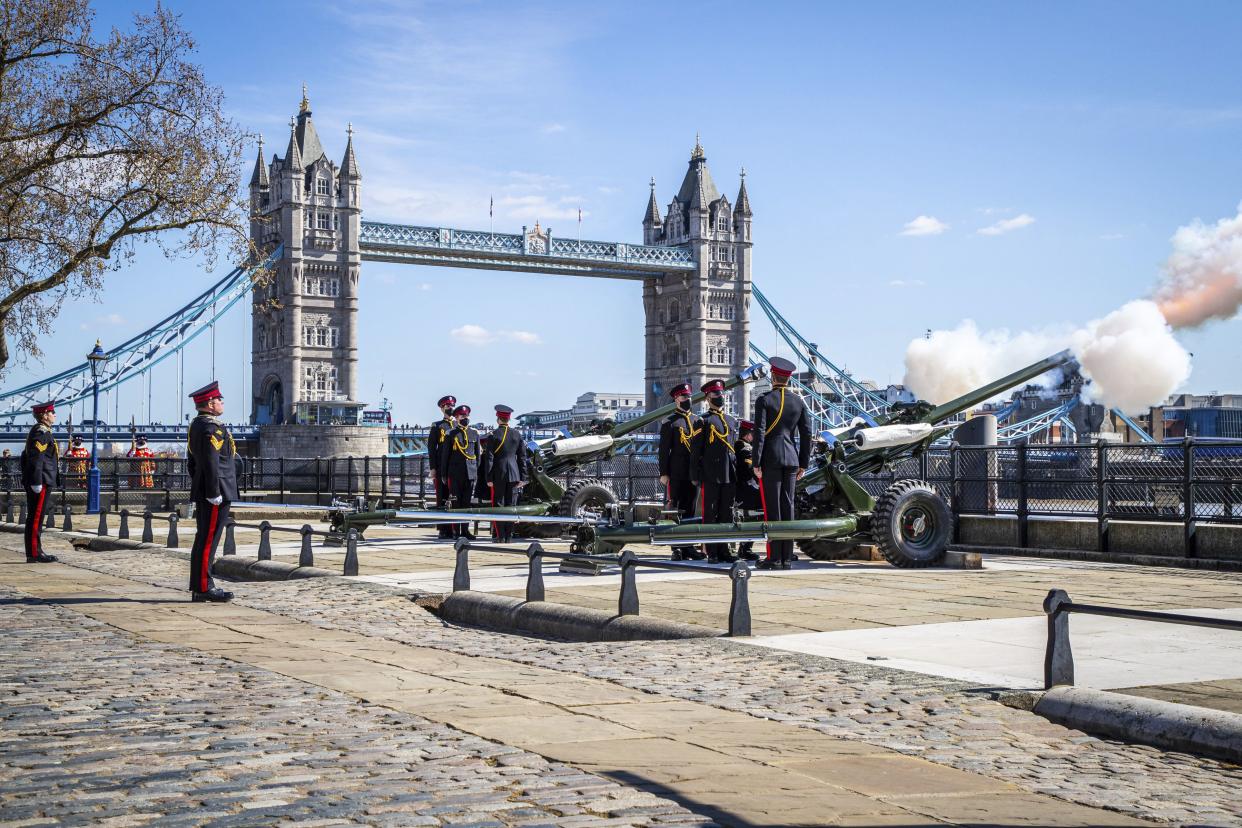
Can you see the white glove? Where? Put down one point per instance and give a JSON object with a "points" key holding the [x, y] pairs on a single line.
{"points": [[216, 501], [37, 488]]}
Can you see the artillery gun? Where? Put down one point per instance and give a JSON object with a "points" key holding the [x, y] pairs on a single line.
{"points": [[909, 522]]}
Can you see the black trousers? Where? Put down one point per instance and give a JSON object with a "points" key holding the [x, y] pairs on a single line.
{"points": [[36, 508], [778, 493], [461, 489], [442, 501], [683, 495], [503, 494], [717, 503], [210, 521]]}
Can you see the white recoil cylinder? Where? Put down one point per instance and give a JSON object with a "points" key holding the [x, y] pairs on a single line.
{"points": [[581, 445], [891, 435]]}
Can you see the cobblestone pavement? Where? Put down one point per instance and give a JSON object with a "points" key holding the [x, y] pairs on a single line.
{"points": [[100, 728], [944, 721]]}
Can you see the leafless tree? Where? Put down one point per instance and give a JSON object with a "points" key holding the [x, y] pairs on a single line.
{"points": [[106, 142]]}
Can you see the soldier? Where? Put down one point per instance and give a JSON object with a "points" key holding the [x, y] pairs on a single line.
{"points": [[714, 466], [676, 436], [503, 467], [40, 474], [213, 487], [146, 468], [435, 438], [747, 484], [459, 464], [778, 413], [77, 469]]}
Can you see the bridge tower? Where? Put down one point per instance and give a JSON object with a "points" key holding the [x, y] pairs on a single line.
{"points": [[698, 323], [305, 340]]}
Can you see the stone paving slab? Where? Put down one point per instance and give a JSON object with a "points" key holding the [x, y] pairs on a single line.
{"points": [[949, 723]]}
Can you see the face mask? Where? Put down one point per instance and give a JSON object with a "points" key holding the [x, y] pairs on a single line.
{"points": [[684, 405], [448, 412], [465, 421], [715, 399]]}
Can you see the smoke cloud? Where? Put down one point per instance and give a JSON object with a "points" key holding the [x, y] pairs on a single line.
{"points": [[1203, 276], [1129, 358]]}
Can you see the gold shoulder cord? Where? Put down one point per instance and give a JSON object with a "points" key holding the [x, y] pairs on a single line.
{"points": [[682, 432], [723, 435], [779, 412], [461, 447], [503, 437]]}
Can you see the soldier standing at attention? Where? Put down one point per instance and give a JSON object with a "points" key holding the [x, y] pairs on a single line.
{"points": [[435, 439], [77, 469], [747, 483], [778, 414], [459, 464], [40, 474], [503, 468], [676, 435], [213, 487], [714, 466], [146, 468]]}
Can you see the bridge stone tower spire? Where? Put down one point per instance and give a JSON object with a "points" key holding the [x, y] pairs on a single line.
{"points": [[305, 341], [698, 323]]}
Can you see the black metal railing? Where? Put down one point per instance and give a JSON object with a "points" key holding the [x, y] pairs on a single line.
{"points": [[627, 600], [306, 552], [1059, 657]]}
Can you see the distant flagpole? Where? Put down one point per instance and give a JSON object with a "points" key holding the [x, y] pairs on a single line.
{"points": [[579, 229], [491, 206]]}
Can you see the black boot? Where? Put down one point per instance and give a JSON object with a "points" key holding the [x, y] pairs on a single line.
{"points": [[42, 557], [767, 563], [213, 595]]}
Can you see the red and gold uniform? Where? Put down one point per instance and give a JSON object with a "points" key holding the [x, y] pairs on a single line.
{"points": [[77, 469], [146, 469]]}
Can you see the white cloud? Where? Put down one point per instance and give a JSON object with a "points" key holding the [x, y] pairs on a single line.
{"points": [[924, 226], [424, 286], [1112, 236], [477, 336], [1006, 225], [108, 319], [907, 283], [552, 129]]}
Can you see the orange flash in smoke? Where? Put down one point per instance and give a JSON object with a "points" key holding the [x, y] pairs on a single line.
{"points": [[1217, 298]]}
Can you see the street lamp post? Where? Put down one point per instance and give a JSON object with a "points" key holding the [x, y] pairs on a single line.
{"points": [[96, 358]]}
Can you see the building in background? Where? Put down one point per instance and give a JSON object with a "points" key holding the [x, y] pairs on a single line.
{"points": [[1198, 415], [619, 407]]}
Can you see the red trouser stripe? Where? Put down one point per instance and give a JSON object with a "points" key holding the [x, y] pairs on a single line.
{"points": [[38, 524], [204, 570], [763, 501]]}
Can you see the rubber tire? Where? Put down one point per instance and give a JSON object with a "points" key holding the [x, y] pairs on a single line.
{"points": [[827, 549], [886, 525], [587, 491]]}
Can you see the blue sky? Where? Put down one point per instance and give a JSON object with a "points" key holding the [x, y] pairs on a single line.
{"points": [[1091, 131]]}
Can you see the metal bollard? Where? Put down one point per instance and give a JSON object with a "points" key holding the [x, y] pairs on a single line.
{"points": [[306, 557], [1058, 658], [22, 517], [148, 534], [123, 531], [627, 604], [351, 553], [461, 572], [534, 578], [265, 541], [739, 605], [102, 531], [50, 523], [67, 523], [230, 542], [173, 540], [8, 508]]}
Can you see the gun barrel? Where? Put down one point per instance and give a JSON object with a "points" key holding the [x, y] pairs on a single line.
{"points": [[750, 374], [979, 395]]}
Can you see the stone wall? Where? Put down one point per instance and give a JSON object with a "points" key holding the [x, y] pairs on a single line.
{"points": [[322, 441]]}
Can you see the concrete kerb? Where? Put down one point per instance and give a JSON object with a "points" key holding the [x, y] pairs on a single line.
{"points": [[1209, 564], [562, 621], [1162, 724]]}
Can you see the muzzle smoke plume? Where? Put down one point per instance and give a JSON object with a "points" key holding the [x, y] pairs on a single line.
{"points": [[1203, 276]]}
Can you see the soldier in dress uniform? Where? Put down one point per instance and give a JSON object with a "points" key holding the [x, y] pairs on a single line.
{"points": [[146, 468], [747, 484], [213, 487], [676, 437], [40, 464], [503, 468], [713, 467], [778, 414], [80, 454], [459, 464], [435, 438]]}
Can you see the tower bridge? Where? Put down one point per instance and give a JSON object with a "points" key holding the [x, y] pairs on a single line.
{"points": [[694, 265]]}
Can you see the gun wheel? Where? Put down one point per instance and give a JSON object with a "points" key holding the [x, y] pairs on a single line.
{"points": [[827, 549], [911, 524], [587, 493]]}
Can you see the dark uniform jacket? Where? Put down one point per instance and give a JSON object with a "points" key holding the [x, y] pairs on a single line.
{"points": [[210, 454], [40, 458], [778, 414], [744, 453], [435, 438], [712, 448], [676, 438], [503, 456], [459, 454]]}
